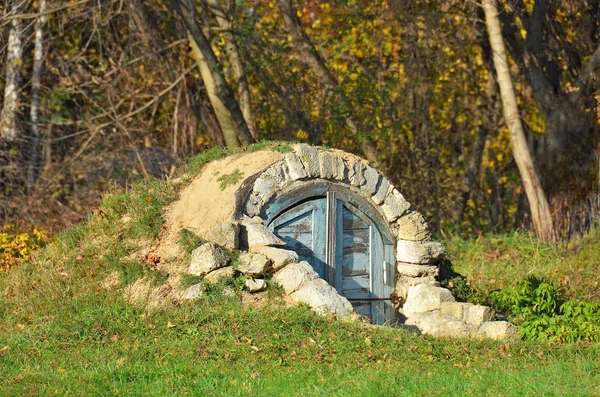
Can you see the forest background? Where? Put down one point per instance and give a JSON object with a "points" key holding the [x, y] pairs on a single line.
{"points": [[103, 92]]}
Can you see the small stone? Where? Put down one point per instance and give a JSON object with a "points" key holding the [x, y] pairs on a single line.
{"points": [[356, 173], [225, 234], [413, 270], [322, 298], [291, 277], [394, 205], [455, 309], [276, 175], [498, 330], [339, 168], [216, 275], [256, 285], [403, 283], [262, 190], [256, 234], [438, 324], [419, 252], [193, 292], [253, 205], [295, 167], [253, 264], [425, 298], [478, 314], [207, 258], [412, 227], [326, 165], [371, 180], [309, 156], [278, 256], [382, 191]]}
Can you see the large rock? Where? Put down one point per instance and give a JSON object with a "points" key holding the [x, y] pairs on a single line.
{"points": [[253, 205], [207, 258], [291, 277], [498, 330], [332, 166], [371, 180], [425, 298], [322, 298], [413, 270], [309, 156], [438, 324], [225, 234], [193, 292], [295, 167], [263, 190], [356, 173], [403, 283], [276, 175], [419, 252], [468, 312], [413, 227], [255, 285], [278, 256], [255, 234], [254, 264], [394, 205], [382, 191], [216, 275]]}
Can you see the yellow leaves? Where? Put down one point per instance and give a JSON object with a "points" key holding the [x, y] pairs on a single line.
{"points": [[302, 135], [523, 33], [16, 247], [354, 76]]}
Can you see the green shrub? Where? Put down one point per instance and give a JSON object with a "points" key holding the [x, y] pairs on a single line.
{"points": [[537, 307]]}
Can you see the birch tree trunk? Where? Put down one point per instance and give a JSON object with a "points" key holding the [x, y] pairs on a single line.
{"points": [[540, 210], [236, 64], [36, 85], [9, 128], [230, 117]]}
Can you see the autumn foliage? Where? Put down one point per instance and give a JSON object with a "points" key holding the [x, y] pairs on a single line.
{"points": [[122, 93]]}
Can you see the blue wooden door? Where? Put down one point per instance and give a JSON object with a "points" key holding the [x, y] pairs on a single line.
{"points": [[303, 229], [345, 248]]}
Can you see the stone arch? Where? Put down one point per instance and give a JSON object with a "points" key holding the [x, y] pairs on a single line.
{"points": [[238, 216], [310, 171]]}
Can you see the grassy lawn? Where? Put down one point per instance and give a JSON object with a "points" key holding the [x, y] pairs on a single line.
{"points": [[99, 345]]}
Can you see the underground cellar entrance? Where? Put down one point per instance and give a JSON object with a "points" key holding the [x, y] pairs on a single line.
{"points": [[337, 232]]}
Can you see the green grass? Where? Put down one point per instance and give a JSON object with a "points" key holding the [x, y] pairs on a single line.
{"points": [[494, 262], [62, 333], [98, 345]]}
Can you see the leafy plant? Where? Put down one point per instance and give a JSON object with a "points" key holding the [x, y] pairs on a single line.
{"points": [[538, 308]]}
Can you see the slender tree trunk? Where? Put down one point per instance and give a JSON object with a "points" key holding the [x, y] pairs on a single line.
{"points": [[230, 117], [9, 128], [309, 55], [197, 113], [236, 64], [36, 85], [540, 210]]}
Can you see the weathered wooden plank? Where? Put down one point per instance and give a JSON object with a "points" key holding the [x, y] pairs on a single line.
{"points": [[354, 238], [356, 282], [352, 221]]}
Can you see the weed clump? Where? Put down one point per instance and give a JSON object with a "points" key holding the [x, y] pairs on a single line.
{"points": [[541, 312]]}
